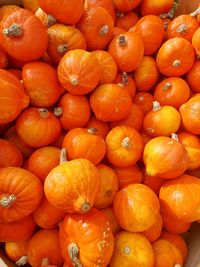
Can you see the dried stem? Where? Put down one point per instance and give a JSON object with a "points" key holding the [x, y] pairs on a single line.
{"points": [[14, 31], [6, 202]]}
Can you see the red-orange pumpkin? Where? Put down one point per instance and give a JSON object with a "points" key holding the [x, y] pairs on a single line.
{"points": [[17, 251], [107, 4], [7, 10], [3, 58], [126, 81], [144, 100], [153, 182], [102, 128], [126, 5], [195, 42], [126, 20], [112, 220], [193, 77], [156, 8]]}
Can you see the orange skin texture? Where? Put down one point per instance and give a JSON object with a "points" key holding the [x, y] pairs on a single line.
{"points": [[165, 157], [134, 119], [154, 183], [28, 193], [92, 234], [101, 127], [190, 113], [75, 111], [44, 244], [16, 250], [132, 249], [16, 98], [90, 24], [144, 100], [31, 5], [154, 232], [23, 48], [118, 31], [107, 4], [162, 122], [146, 75], [195, 41], [192, 77], [173, 91], [125, 5], [112, 220], [136, 208], [152, 32], [60, 34], [121, 152], [110, 102], [81, 66], [166, 254], [175, 49], [126, 20], [128, 175], [10, 155], [24, 229], [36, 130], [132, 48], [155, 7], [43, 17], [78, 182], [176, 193], [41, 84], [108, 187], [190, 22], [192, 145], [126, 82], [80, 143], [7, 10], [46, 216], [107, 65], [43, 160], [67, 12], [3, 58]]}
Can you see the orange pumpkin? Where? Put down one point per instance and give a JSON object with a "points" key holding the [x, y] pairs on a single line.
{"points": [[43, 160], [195, 42], [17, 251], [107, 4], [23, 230], [109, 186], [7, 10], [126, 5], [136, 208], [62, 38], [190, 113], [102, 128], [97, 26], [112, 220], [126, 20], [128, 175], [154, 183], [3, 58], [132, 249], [156, 8], [73, 111], [152, 32], [86, 239], [42, 129], [44, 245], [13, 92], [17, 202], [146, 75], [175, 57], [154, 232], [192, 77], [144, 100], [107, 65], [173, 91], [79, 71], [47, 20], [73, 185], [10, 155], [31, 5], [126, 46], [162, 120], [110, 102], [17, 32], [83, 143], [67, 12], [126, 81], [118, 31], [178, 196], [124, 146]]}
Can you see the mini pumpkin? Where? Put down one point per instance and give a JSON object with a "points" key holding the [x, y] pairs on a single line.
{"points": [[192, 77], [17, 251]]}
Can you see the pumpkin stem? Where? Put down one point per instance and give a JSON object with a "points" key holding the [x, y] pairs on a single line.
{"points": [[92, 130], [45, 262], [73, 252], [74, 81], [172, 11], [126, 142], [62, 48], [50, 21], [44, 113], [156, 106], [182, 28], [122, 41], [124, 78], [119, 14], [177, 63], [166, 24], [14, 31], [104, 30], [86, 207], [63, 156], [166, 87], [58, 111], [177, 265], [175, 137], [6, 202], [196, 12], [22, 261], [127, 250]]}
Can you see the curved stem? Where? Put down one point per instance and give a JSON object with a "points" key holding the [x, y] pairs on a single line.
{"points": [[122, 41], [45, 262], [44, 113], [176, 63], [167, 86], [175, 136], [182, 28], [73, 252], [62, 48], [172, 11], [50, 21], [177, 265], [58, 111], [156, 106], [6, 202], [196, 12], [124, 78], [22, 261], [63, 156], [104, 30], [92, 130], [126, 142], [14, 31]]}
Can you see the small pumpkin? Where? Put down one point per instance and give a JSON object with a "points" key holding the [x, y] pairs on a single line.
{"points": [[149, 7], [102, 128], [136, 207], [47, 20], [154, 232], [132, 249], [86, 239], [124, 80], [112, 220], [17, 251], [195, 42], [107, 4], [192, 77], [126, 20], [126, 5], [144, 100]]}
